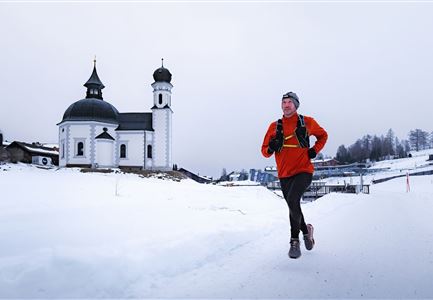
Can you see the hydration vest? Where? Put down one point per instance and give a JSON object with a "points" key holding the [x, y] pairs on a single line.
{"points": [[300, 133]]}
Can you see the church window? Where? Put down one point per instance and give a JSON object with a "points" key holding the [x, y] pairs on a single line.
{"points": [[149, 151], [123, 151], [160, 98], [63, 150], [80, 149]]}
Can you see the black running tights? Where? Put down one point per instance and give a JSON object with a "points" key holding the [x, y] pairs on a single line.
{"points": [[293, 188]]}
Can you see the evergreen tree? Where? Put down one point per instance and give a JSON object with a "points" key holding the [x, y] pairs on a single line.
{"points": [[376, 149], [418, 139], [366, 147], [342, 155], [389, 143], [431, 140], [355, 151], [224, 176]]}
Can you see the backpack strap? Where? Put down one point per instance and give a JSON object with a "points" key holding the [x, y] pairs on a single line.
{"points": [[301, 133], [301, 121]]}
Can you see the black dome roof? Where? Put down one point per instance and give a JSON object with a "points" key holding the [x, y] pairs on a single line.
{"points": [[162, 74], [91, 109]]}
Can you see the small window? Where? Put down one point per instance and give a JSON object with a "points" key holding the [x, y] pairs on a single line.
{"points": [[63, 150], [149, 151], [160, 99], [123, 151], [80, 149]]}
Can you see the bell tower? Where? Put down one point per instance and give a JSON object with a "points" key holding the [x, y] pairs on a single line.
{"points": [[162, 119], [94, 85]]}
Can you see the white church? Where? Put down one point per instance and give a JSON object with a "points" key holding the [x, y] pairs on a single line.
{"points": [[94, 134]]}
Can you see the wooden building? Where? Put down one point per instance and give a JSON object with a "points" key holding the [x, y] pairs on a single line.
{"points": [[325, 162], [24, 152], [4, 154]]}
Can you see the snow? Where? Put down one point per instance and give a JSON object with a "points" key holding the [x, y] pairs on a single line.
{"points": [[41, 151], [239, 183], [91, 235]]}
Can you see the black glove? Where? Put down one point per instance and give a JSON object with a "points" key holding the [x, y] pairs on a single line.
{"points": [[312, 153], [275, 145]]}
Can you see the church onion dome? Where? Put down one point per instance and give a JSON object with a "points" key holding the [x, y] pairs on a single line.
{"points": [[162, 74], [91, 109]]}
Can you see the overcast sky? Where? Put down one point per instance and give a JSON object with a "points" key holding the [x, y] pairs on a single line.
{"points": [[357, 68]]}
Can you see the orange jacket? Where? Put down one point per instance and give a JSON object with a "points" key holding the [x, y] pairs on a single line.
{"points": [[292, 161]]}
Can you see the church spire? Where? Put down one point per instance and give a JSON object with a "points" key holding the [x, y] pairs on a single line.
{"points": [[94, 85]]}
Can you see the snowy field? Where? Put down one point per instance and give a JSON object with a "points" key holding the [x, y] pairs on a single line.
{"points": [[68, 234], [391, 168]]}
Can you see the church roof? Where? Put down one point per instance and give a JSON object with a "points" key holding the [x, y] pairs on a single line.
{"points": [[135, 121], [105, 135], [162, 74], [94, 79], [91, 109]]}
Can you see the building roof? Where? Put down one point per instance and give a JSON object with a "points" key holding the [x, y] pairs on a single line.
{"points": [[94, 80], [135, 121], [105, 135], [91, 109], [34, 148], [162, 74]]}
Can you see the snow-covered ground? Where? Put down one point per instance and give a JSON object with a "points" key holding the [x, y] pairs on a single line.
{"points": [[69, 234]]}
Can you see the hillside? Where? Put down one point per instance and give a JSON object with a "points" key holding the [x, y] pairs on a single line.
{"points": [[71, 234]]}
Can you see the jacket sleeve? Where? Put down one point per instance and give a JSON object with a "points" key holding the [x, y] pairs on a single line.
{"points": [[269, 134], [319, 133]]}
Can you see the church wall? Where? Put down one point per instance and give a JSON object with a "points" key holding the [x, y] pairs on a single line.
{"points": [[63, 138], [134, 141], [97, 129], [149, 142], [160, 120], [79, 133]]}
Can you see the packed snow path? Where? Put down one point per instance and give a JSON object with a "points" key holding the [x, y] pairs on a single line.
{"points": [[68, 234]]}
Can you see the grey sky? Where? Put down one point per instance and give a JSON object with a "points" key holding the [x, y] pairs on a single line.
{"points": [[357, 68]]}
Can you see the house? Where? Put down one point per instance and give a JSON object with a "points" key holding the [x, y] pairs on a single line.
{"points": [[195, 177], [4, 154], [325, 162], [27, 153]]}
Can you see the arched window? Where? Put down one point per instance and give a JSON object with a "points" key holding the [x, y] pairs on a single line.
{"points": [[160, 98], [149, 151], [123, 151], [80, 149]]}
